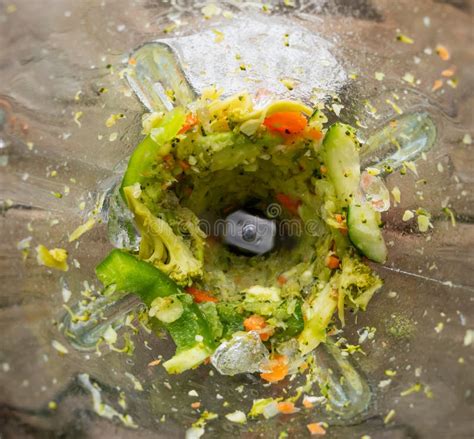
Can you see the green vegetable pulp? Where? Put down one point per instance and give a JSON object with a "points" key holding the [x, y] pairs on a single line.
{"points": [[227, 160]]}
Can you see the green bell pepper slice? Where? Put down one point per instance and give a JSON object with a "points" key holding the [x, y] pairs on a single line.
{"points": [[152, 148], [131, 275]]}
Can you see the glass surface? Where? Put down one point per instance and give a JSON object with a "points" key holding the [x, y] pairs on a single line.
{"points": [[62, 76]]}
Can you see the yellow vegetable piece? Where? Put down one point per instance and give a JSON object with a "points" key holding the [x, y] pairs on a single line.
{"points": [[55, 258], [76, 234]]}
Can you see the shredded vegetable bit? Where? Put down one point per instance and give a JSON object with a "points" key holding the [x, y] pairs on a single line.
{"points": [[396, 194], [77, 116], [316, 429], [113, 118], [443, 52], [211, 10], [238, 417], [379, 76], [59, 347], [337, 108], [467, 139], [77, 233], [468, 337], [450, 215], [136, 384], [423, 223], [389, 417], [447, 73], [407, 215], [452, 82], [394, 106], [219, 36], [411, 166], [55, 258], [288, 83], [437, 85], [408, 77], [404, 39], [413, 389]]}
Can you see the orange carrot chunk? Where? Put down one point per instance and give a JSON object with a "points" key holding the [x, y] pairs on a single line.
{"points": [[278, 366], [315, 429], [286, 122], [282, 280], [258, 323], [315, 134], [333, 262], [443, 52], [189, 122], [286, 407], [200, 296], [290, 204]]}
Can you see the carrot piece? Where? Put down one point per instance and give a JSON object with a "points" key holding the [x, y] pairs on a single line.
{"points": [[332, 262], [196, 405], [200, 296], [282, 280], [184, 165], [315, 429], [286, 122], [443, 52], [307, 403], [288, 203], [189, 122], [323, 169], [254, 323], [278, 366], [258, 324], [437, 85], [448, 72], [286, 407], [154, 363], [315, 134]]}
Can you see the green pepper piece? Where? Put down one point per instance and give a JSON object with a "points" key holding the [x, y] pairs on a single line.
{"points": [[129, 274], [152, 148]]}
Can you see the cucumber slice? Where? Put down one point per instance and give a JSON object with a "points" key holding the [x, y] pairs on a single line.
{"points": [[341, 157], [364, 232]]}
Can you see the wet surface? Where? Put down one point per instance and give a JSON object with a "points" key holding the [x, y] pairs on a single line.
{"points": [[60, 64]]}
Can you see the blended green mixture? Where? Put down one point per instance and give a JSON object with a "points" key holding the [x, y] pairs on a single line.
{"points": [[260, 313]]}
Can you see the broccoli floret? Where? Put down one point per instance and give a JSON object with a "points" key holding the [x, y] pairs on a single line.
{"points": [[159, 244], [358, 282]]}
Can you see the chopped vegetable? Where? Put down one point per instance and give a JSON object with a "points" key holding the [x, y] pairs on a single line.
{"points": [[288, 122], [238, 417], [278, 369], [55, 258], [316, 429], [332, 262], [257, 323], [404, 39], [77, 233], [286, 407], [290, 204], [200, 296], [443, 52]]}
